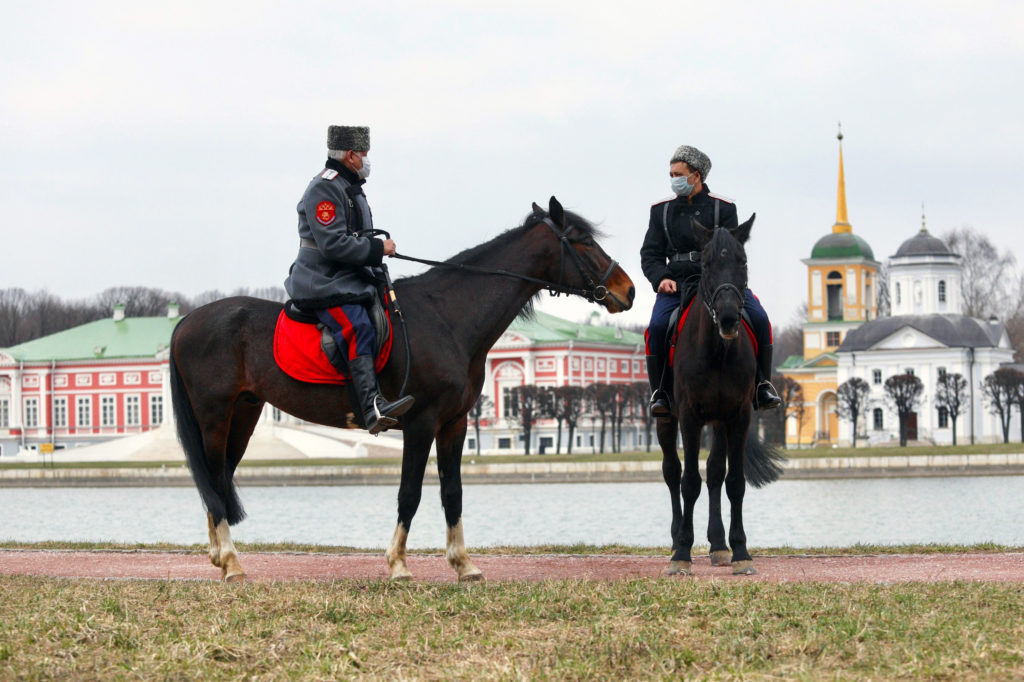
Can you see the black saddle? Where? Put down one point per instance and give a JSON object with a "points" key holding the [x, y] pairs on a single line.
{"points": [[378, 317]]}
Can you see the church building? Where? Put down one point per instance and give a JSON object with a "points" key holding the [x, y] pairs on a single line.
{"points": [[842, 294]]}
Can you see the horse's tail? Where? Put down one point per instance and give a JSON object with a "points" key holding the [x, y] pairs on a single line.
{"points": [[219, 497], [762, 463]]}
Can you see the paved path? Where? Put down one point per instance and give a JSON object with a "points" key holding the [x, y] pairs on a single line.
{"points": [[265, 567]]}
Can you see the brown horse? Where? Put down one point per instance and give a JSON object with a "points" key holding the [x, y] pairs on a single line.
{"points": [[714, 372], [223, 369]]}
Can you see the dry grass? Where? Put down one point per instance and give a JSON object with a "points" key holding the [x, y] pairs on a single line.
{"points": [[637, 629]]}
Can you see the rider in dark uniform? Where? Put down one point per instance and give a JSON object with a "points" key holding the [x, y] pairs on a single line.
{"points": [[670, 259], [336, 273]]}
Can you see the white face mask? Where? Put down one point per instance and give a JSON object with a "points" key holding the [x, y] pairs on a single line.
{"points": [[364, 172]]}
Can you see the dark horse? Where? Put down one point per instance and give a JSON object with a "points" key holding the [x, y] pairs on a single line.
{"points": [[714, 371], [223, 370]]}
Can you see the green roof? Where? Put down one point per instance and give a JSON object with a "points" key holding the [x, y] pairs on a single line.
{"points": [[132, 337], [842, 245], [791, 362], [545, 328]]}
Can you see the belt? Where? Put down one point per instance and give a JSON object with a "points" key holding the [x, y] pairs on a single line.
{"points": [[307, 243], [689, 256]]}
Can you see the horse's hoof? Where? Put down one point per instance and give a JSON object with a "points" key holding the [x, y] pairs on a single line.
{"points": [[743, 568], [235, 578], [472, 577], [680, 568], [721, 557], [400, 574]]}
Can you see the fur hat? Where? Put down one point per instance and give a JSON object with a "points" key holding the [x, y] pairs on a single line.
{"points": [[348, 138], [694, 158]]}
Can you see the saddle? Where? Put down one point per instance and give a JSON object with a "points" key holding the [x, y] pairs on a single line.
{"points": [[305, 350]]}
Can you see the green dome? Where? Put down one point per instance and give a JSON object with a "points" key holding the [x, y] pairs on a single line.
{"points": [[842, 245]]}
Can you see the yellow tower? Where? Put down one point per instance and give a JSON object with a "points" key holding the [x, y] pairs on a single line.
{"points": [[842, 293]]}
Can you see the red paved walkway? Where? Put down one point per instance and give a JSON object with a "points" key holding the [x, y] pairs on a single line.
{"points": [[1005, 567]]}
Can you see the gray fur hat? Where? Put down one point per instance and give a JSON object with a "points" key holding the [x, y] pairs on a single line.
{"points": [[694, 158], [348, 138]]}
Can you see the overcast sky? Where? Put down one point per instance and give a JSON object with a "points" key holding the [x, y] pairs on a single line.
{"points": [[167, 144]]}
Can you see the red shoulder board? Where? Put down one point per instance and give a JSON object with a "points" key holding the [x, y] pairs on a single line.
{"points": [[325, 213], [721, 198]]}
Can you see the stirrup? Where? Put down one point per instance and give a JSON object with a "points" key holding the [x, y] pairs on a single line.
{"points": [[660, 405], [771, 402]]}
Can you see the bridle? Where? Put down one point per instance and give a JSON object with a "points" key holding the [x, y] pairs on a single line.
{"points": [[594, 291], [709, 300]]}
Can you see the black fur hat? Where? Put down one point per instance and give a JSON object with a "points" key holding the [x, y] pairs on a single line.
{"points": [[348, 138]]}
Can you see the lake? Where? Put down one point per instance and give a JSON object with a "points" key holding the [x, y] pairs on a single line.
{"points": [[796, 513]]}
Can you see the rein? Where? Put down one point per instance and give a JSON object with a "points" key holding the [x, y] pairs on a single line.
{"points": [[592, 292]]}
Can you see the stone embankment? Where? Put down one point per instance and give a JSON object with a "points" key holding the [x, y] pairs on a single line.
{"points": [[870, 466]]}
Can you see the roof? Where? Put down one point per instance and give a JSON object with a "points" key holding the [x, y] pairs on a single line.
{"points": [[842, 245], [545, 328], [923, 244], [959, 331], [132, 337]]}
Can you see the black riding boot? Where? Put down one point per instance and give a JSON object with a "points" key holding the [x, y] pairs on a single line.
{"points": [[660, 394], [378, 414], [765, 395]]}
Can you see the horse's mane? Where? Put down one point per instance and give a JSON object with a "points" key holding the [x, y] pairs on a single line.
{"points": [[501, 243]]}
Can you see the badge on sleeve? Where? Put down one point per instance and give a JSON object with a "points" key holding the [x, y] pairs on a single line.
{"points": [[325, 213]]}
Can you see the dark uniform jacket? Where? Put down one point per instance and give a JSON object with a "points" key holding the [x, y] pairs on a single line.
{"points": [[662, 258], [336, 261]]}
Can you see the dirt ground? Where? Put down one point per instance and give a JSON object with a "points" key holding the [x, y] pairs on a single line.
{"points": [[266, 567]]}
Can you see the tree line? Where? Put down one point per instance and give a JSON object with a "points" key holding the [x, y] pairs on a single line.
{"points": [[25, 315], [608, 405], [1002, 392]]}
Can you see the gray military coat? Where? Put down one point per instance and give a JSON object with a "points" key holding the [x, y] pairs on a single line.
{"points": [[338, 260]]}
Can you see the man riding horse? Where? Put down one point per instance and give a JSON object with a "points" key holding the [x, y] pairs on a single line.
{"points": [[670, 259], [337, 272]]}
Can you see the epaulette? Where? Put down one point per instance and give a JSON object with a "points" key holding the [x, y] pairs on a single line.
{"points": [[662, 201], [329, 174], [721, 198]]}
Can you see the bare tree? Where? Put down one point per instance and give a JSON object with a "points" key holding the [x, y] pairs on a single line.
{"points": [[792, 394], [641, 393], [999, 390], [481, 407], [852, 400], [951, 394], [526, 401], [987, 274], [903, 393], [884, 297], [602, 400], [568, 403]]}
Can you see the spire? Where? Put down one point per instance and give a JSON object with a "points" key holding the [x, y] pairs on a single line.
{"points": [[842, 222], [924, 228]]}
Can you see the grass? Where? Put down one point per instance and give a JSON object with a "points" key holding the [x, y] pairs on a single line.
{"points": [[568, 629], [469, 457]]}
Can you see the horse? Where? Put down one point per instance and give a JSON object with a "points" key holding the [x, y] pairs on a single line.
{"points": [[713, 383], [223, 370]]}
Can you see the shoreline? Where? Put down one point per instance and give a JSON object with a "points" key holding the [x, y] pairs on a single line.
{"points": [[813, 468]]}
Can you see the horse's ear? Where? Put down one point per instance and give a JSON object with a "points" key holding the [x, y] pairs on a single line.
{"points": [[742, 233], [556, 212], [702, 233], [536, 208]]}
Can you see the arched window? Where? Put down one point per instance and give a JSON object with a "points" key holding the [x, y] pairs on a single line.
{"points": [[834, 289], [942, 291], [877, 418]]}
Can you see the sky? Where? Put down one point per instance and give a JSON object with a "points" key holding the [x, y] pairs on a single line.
{"points": [[166, 145]]}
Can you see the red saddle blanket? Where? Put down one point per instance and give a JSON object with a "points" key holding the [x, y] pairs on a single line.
{"points": [[298, 352], [682, 321]]}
